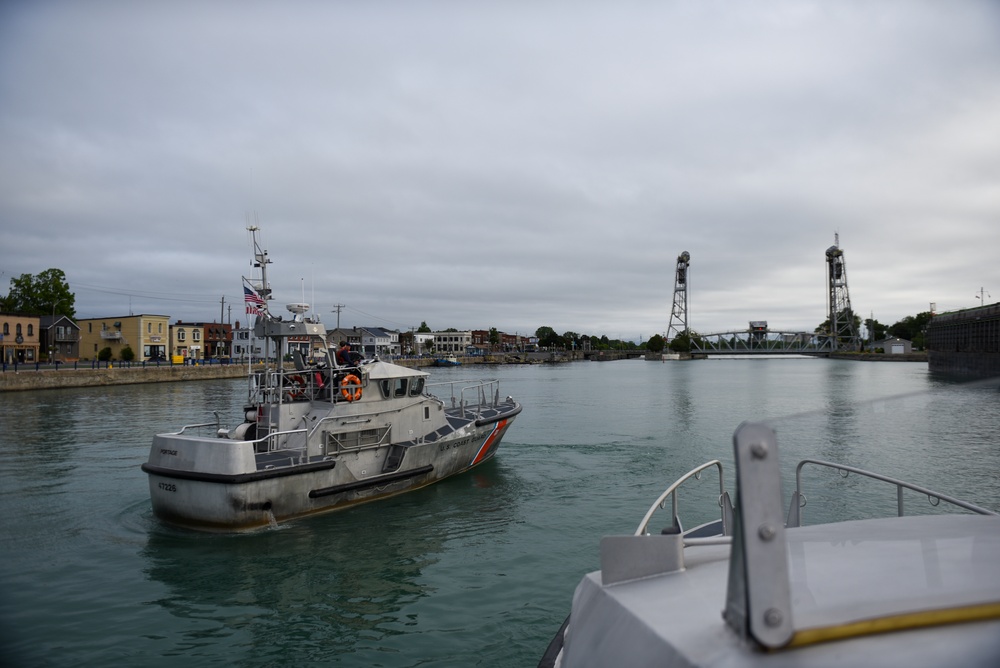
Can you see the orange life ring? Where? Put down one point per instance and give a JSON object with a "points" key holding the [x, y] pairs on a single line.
{"points": [[346, 384]]}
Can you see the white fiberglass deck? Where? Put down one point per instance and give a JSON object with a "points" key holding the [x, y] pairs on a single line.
{"points": [[845, 601]]}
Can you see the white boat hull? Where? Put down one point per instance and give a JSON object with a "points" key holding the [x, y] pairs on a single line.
{"points": [[232, 495]]}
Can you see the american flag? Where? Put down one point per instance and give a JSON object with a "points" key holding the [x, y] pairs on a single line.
{"points": [[253, 301]]}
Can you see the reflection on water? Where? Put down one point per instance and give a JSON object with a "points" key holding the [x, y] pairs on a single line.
{"points": [[337, 582]]}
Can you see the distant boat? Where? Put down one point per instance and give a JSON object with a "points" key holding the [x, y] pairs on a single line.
{"points": [[888, 591], [323, 436], [447, 361]]}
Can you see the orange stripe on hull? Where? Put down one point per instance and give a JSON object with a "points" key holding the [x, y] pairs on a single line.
{"points": [[494, 435]]}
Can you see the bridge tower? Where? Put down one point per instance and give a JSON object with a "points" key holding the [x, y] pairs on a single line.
{"points": [[679, 311], [842, 329]]}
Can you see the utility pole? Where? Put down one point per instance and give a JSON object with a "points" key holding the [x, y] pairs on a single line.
{"points": [[222, 310], [336, 309]]}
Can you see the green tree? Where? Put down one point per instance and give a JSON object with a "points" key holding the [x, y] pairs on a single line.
{"points": [[128, 354], [655, 344], [912, 328], [571, 340], [681, 343], [547, 337], [105, 354], [41, 294], [494, 336], [876, 329], [423, 329]]}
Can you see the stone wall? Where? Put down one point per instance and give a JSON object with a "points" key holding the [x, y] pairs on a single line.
{"points": [[47, 379]]}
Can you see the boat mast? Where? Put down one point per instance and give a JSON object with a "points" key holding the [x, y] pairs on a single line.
{"points": [[260, 261]]}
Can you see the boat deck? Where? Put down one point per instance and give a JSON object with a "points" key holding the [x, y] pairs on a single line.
{"points": [[946, 569]]}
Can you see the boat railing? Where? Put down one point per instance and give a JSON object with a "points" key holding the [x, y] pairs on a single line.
{"points": [[205, 425], [798, 500], [473, 396], [336, 443], [291, 440], [200, 425], [760, 593], [725, 503]]}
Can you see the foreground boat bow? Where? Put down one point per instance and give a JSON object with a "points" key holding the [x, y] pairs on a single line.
{"points": [[891, 591]]}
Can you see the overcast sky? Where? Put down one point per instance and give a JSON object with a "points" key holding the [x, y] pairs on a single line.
{"points": [[504, 164]]}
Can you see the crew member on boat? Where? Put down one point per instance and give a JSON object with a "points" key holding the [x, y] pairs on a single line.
{"points": [[344, 354]]}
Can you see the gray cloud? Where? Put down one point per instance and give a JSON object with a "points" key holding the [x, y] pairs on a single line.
{"points": [[505, 164]]}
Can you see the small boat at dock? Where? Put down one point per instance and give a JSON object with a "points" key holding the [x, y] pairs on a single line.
{"points": [[321, 435], [758, 587]]}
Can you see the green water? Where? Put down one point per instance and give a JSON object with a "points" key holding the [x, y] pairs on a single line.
{"points": [[476, 571]]}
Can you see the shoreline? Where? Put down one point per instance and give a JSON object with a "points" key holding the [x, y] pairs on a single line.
{"points": [[51, 379]]}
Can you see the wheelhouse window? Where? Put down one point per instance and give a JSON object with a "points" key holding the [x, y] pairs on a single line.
{"points": [[417, 386]]}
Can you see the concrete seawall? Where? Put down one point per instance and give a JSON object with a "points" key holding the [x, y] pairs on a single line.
{"points": [[48, 379]]}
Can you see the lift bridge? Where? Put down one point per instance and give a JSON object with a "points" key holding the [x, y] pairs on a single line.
{"points": [[757, 339]]}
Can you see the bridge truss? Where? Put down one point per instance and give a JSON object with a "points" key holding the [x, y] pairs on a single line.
{"points": [[763, 343]]}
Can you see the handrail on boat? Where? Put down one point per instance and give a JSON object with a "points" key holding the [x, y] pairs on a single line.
{"points": [[270, 440], [798, 500], [200, 425], [672, 493], [492, 399]]}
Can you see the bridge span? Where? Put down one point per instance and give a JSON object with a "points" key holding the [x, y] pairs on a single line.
{"points": [[764, 342]]}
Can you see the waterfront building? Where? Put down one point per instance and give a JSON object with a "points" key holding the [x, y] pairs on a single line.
{"points": [[453, 342], [146, 334], [895, 346], [369, 341], [19, 338], [247, 345], [60, 338], [379, 342], [201, 340]]}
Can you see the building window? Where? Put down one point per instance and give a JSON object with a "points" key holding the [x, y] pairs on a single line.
{"points": [[31, 330], [196, 335], [6, 329], [19, 329], [181, 335], [149, 328]]}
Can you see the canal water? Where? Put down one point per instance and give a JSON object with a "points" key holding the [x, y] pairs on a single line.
{"points": [[476, 571]]}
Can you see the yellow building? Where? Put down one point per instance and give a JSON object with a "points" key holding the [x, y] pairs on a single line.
{"points": [[18, 338], [187, 340], [147, 335]]}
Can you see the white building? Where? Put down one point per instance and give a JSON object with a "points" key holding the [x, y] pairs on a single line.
{"points": [[455, 343], [378, 342]]}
